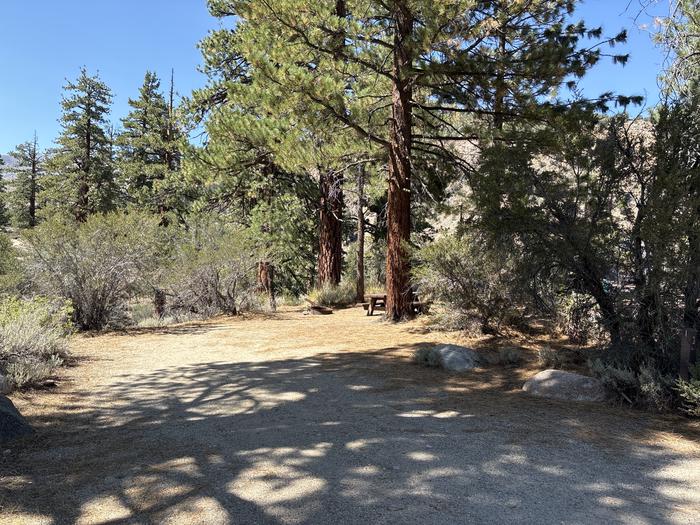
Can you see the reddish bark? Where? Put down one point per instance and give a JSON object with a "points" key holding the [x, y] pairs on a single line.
{"points": [[360, 284], [266, 281], [330, 253], [398, 305]]}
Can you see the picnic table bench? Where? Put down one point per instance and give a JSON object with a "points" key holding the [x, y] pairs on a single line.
{"points": [[377, 301]]}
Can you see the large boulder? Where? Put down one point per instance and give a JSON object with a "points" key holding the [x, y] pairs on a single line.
{"points": [[12, 424], [567, 386], [456, 358]]}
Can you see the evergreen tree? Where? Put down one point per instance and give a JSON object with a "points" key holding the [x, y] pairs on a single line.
{"points": [[283, 135], [420, 65], [27, 172], [3, 196], [149, 146], [82, 162]]}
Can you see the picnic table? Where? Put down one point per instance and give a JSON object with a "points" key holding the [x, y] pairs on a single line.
{"points": [[377, 301]]}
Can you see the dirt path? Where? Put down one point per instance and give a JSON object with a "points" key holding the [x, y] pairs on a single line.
{"points": [[306, 419]]}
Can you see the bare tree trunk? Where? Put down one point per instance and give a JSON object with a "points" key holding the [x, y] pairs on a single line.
{"points": [[330, 253], [398, 305], [499, 103], [159, 302], [266, 281], [360, 284], [691, 308]]}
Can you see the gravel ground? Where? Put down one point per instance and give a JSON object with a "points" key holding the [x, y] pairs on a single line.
{"points": [[296, 419]]}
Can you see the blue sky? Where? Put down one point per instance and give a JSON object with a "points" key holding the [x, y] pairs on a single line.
{"points": [[43, 42]]}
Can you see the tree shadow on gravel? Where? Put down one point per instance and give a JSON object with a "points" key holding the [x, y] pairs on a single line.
{"points": [[340, 438]]}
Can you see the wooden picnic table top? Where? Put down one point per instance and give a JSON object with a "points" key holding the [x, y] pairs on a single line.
{"points": [[377, 296]]}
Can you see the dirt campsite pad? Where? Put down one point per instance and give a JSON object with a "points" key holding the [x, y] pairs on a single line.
{"points": [[292, 419]]}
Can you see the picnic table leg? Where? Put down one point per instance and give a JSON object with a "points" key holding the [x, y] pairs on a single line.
{"points": [[370, 310]]}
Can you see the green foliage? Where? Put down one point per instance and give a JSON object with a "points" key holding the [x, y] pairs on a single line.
{"points": [[468, 276], [149, 148], [11, 275], [97, 265], [285, 234], [28, 170], [80, 177], [646, 386], [33, 338], [689, 392], [679, 35], [212, 271]]}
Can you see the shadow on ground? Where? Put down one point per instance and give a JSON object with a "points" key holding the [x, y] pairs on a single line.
{"points": [[340, 438]]}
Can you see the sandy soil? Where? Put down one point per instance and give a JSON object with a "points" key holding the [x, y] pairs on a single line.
{"points": [[323, 419]]}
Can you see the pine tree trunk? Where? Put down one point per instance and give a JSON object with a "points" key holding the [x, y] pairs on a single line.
{"points": [[398, 305], [266, 281], [360, 284], [330, 253], [691, 310], [159, 302]]}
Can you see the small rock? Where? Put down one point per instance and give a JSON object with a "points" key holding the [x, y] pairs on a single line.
{"points": [[567, 386], [457, 358], [12, 424]]}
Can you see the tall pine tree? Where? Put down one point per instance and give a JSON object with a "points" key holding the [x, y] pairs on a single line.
{"points": [[149, 146], [414, 77], [27, 171], [82, 162]]}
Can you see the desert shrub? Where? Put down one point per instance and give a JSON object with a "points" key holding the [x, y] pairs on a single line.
{"points": [[510, 355], [550, 358], [506, 356], [98, 265], [213, 271], [447, 319], [468, 277], [427, 357], [33, 338], [333, 295], [646, 386], [10, 267], [689, 392]]}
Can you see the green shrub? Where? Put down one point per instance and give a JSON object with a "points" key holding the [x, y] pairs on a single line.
{"points": [[98, 265], [213, 271], [333, 295], [646, 387], [10, 268], [33, 339], [689, 392], [468, 277]]}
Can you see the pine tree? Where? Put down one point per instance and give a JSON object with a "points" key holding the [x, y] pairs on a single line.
{"points": [[27, 172], [414, 77], [81, 162], [254, 107], [3, 196], [148, 146]]}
